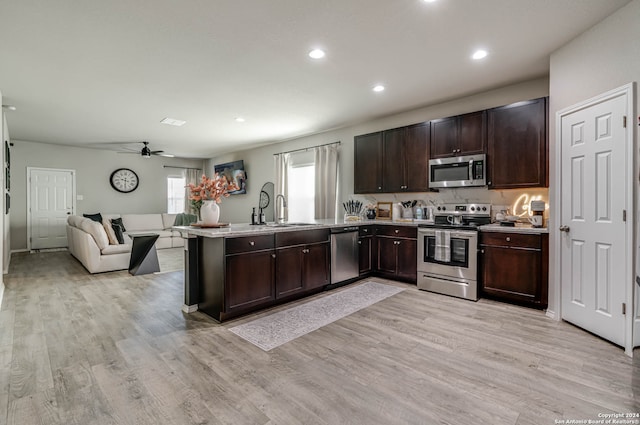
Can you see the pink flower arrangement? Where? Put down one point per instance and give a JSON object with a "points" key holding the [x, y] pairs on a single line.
{"points": [[210, 189]]}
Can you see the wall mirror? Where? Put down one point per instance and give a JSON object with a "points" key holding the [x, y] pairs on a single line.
{"points": [[266, 201]]}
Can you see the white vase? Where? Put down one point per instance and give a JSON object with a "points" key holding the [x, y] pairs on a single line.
{"points": [[209, 212]]}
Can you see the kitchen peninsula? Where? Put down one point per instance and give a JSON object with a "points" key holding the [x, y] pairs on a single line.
{"points": [[242, 268]]}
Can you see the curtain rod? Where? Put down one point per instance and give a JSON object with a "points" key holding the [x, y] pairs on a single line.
{"points": [[311, 147], [182, 168]]}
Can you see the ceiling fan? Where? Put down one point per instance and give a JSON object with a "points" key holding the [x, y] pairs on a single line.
{"points": [[146, 152]]}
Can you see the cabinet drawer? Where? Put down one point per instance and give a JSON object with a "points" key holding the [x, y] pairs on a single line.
{"points": [[365, 231], [248, 244], [398, 231], [514, 240], [301, 237]]}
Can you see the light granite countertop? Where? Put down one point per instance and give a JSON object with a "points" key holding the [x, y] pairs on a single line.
{"points": [[518, 228], [245, 229]]}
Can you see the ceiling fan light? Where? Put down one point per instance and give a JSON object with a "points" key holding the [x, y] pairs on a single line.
{"points": [[146, 152]]}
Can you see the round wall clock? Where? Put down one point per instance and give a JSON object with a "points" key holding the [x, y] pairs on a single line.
{"points": [[124, 180]]}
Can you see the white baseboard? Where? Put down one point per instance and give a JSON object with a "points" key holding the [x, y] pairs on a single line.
{"points": [[15, 251], [1, 293], [551, 314], [189, 308]]}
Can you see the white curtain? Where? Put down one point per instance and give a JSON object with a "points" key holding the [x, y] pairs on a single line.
{"points": [[191, 175], [282, 179], [326, 181]]}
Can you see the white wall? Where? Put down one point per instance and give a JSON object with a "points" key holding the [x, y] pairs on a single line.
{"points": [[260, 166], [93, 168], [605, 57], [3, 130], [6, 243]]}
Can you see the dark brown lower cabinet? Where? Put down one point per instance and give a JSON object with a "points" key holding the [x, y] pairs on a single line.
{"points": [[301, 268], [365, 244], [249, 280], [238, 275], [514, 267], [396, 252]]}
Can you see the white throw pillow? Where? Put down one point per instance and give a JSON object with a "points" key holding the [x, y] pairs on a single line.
{"points": [[111, 235], [96, 230]]}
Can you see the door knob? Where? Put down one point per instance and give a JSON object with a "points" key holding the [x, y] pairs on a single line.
{"points": [[564, 229]]}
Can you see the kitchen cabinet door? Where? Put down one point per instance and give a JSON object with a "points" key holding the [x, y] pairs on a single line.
{"points": [[514, 267], [444, 138], [365, 245], [289, 271], [460, 135], [473, 133], [517, 145], [368, 163], [416, 158], [249, 280], [315, 267], [387, 256], [393, 164], [407, 259], [397, 258]]}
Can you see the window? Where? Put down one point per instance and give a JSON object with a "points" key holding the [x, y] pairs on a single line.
{"points": [[175, 194], [302, 193]]}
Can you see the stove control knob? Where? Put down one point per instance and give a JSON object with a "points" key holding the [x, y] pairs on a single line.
{"points": [[444, 208], [473, 208], [484, 208], [439, 208]]}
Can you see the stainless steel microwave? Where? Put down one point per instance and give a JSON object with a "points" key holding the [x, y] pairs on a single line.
{"points": [[458, 171]]}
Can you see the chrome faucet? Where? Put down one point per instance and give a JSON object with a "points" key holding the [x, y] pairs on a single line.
{"points": [[280, 211]]}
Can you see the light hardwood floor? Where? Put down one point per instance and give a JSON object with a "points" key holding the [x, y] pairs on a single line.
{"points": [[115, 349]]}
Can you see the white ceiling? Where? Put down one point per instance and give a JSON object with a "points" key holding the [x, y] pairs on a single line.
{"points": [[95, 71]]}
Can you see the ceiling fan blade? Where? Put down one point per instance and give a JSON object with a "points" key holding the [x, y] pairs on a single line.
{"points": [[156, 152]]}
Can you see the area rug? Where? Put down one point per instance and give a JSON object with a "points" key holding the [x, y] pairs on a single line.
{"points": [[271, 331]]}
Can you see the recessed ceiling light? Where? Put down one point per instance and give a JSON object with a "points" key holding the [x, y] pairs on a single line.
{"points": [[239, 119], [479, 54], [429, 1], [316, 54], [378, 88], [172, 121]]}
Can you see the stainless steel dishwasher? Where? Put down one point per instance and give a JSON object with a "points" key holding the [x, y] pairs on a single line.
{"points": [[345, 252]]}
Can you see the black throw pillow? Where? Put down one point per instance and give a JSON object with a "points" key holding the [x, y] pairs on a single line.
{"points": [[118, 221], [117, 229], [95, 217]]}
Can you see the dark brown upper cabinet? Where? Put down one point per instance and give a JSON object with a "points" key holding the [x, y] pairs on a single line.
{"points": [[368, 163], [517, 154], [405, 159], [460, 135]]}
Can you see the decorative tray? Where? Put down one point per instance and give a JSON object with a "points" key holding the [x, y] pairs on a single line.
{"points": [[209, 226]]}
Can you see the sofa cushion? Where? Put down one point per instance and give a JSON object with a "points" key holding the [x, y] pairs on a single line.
{"points": [[95, 217], [116, 249], [118, 231], [96, 230], [142, 222], [118, 222], [74, 220], [168, 220], [111, 235]]}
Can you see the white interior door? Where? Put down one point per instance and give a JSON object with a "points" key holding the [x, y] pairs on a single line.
{"points": [[594, 234], [51, 202]]}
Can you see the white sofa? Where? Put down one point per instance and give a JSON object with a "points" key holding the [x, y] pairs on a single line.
{"points": [[89, 243]]}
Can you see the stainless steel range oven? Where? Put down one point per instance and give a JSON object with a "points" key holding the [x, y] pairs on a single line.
{"points": [[448, 250]]}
